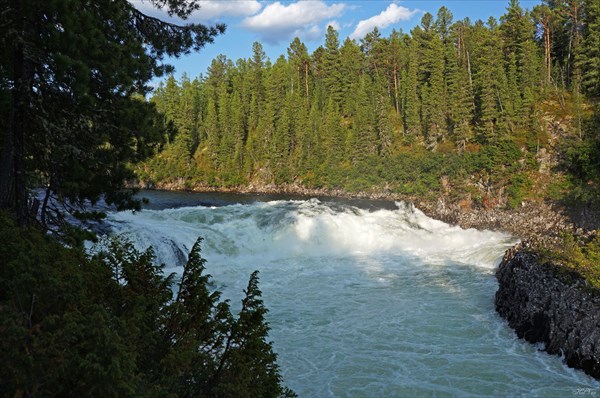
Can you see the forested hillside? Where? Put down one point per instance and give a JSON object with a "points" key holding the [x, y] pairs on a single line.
{"points": [[467, 108]]}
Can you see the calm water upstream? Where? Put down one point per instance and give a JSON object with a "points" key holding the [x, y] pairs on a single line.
{"points": [[366, 299]]}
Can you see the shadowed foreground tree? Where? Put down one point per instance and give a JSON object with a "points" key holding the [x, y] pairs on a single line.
{"points": [[71, 76], [108, 326]]}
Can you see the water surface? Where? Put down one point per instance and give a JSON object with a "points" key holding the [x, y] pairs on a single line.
{"points": [[365, 299]]}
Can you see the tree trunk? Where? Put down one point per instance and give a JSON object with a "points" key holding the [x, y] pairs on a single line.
{"points": [[396, 88], [13, 193], [546, 24], [306, 78]]}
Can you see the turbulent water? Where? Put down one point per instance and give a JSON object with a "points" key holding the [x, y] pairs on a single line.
{"points": [[365, 299]]}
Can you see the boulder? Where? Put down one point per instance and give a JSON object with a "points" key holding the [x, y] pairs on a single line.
{"points": [[547, 303]]}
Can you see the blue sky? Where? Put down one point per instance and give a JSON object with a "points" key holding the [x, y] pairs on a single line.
{"points": [[276, 23]]}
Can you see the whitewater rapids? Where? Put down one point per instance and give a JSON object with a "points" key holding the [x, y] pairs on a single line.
{"points": [[363, 302]]}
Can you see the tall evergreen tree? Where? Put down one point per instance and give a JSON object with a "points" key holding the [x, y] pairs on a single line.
{"points": [[298, 57], [460, 95], [57, 66], [351, 61], [588, 59], [412, 103], [332, 77], [545, 18]]}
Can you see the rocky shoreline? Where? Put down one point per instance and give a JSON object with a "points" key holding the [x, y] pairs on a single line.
{"points": [[533, 221], [546, 303]]}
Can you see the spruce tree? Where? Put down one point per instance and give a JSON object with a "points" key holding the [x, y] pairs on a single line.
{"points": [[588, 60], [460, 96], [412, 103], [351, 67], [63, 53], [332, 77], [300, 61]]}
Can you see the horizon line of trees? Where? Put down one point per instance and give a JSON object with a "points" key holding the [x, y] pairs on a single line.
{"points": [[349, 109]]}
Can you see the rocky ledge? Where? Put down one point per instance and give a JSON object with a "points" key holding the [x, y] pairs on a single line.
{"points": [[535, 220], [545, 303]]}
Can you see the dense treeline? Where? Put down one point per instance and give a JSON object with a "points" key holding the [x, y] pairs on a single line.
{"points": [[449, 99]]}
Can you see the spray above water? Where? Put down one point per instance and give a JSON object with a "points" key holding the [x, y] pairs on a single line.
{"points": [[282, 229], [379, 303]]}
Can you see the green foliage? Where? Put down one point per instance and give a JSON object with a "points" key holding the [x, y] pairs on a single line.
{"points": [[582, 163], [579, 254], [519, 186], [108, 325], [452, 101], [76, 73]]}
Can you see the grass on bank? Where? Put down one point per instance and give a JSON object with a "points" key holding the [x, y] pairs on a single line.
{"points": [[579, 254]]}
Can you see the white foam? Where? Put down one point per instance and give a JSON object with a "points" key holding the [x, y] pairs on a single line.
{"points": [[280, 229], [382, 303]]}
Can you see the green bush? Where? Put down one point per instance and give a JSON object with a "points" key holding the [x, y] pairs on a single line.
{"points": [[109, 326], [580, 255], [518, 188]]}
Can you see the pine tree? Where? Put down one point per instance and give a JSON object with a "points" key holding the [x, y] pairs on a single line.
{"points": [[385, 137], [460, 96], [489, 80], [412, 103], [249, 363], [238, 129], [332, 136], [226, 145], [53, 51], [434, 96], [351, 61], [432, 81], [302, 145], [186, 119], [588, 59], [443, 24], [300, 61], [332, 77], [397, 60], [256, 84], [545, 18], [364, 127]]}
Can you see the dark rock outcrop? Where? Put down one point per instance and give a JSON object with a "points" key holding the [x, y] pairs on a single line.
{"points": [[545, 303]]}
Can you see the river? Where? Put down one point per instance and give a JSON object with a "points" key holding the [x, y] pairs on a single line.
{"points": [[365, 298]]}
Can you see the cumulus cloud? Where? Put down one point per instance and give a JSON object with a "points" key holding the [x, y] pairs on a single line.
{"points": [[393, 14], [210, 10], [279, 22]]}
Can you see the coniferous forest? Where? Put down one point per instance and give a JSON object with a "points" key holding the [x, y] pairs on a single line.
{"points": [[490, 113], [416, 114]]}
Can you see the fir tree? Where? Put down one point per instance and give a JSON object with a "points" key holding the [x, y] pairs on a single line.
{"points": [[62, 53], [332, 77], [588, 60]]}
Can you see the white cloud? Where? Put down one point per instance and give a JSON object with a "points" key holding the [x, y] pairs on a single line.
{"points": [[393, 14], [334, 24], [279, 22], [210, 10]]}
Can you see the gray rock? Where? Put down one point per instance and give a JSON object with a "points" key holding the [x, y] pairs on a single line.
{"points": [[546, 303]]}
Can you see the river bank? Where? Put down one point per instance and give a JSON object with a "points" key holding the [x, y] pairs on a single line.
{"points": [[534, 221], [549, 304], [535, 298]]}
